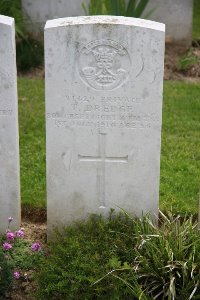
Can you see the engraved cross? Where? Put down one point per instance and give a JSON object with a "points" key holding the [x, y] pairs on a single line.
{"points": [[102, 159]]}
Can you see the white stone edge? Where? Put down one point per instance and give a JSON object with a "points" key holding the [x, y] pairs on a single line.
{"points": [[6, 20], [118, 20]]}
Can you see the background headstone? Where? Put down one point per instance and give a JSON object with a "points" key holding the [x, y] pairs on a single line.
{"points": [[176, 14], [9, 139], [104, 78]]}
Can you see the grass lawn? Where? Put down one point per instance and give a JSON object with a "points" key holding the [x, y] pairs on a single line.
{"points": [[32, 141], [180, 162], [196, 20]]}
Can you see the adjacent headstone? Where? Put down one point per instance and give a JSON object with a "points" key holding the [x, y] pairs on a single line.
{"points": [[104, 80], [9, 140]]}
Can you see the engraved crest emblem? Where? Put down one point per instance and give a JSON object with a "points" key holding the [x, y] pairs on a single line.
{"points": [[104, 64]]}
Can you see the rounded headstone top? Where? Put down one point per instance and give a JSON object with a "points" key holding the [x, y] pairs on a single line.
{"points": [[118, 20]]}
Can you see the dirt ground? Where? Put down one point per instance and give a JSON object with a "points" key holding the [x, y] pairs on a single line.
{"points": [[173, 55]]}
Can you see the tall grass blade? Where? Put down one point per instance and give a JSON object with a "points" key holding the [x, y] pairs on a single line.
{"points": [[103, 277], [86, 11], [164, 217], [122, 7], [199, 213], [194, 291], [131, 8], [140, 8], [172, 288], [115, 7], [135, 290], [98, 7]]}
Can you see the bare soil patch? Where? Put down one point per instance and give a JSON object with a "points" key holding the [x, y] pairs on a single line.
{"points": [[34, 214], [173, 55]]}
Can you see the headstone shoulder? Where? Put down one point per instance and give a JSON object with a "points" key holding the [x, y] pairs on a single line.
{"points": [[6, 20], [110, 20]]}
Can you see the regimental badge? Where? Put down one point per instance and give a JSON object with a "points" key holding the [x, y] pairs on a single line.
{"points": [[104, 64]]}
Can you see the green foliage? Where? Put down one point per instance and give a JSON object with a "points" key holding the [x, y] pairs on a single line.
{"points": [[29, 51], [180, 156], [134, 8], [196, 20], [5, 275], [32, 141], [12, 8], [80, 255], [188, 60], [22, 258], [123, 258], [19, 262], [167, 259]]}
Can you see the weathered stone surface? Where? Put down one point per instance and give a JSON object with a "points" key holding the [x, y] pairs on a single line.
{"points": [[104, 78], [9, 140]]}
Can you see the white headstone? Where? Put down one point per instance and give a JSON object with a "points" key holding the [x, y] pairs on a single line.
{"points": [[104, 80], [9, 140]]}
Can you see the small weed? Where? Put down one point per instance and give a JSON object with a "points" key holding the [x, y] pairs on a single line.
{"points": [[187, 61], [18, 259]]}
